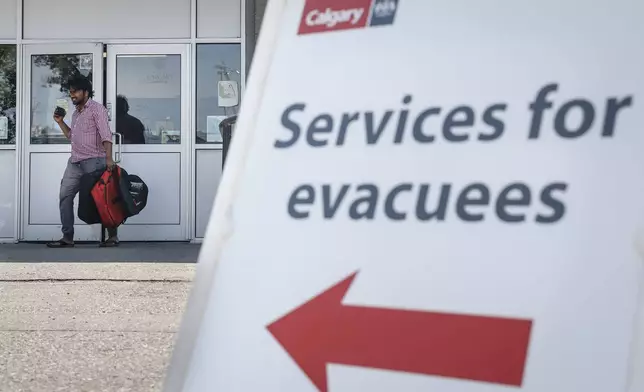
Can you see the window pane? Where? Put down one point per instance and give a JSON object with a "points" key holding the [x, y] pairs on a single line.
{"points": [[7, 94], [148, 102], [218, 88], [49, 76]]}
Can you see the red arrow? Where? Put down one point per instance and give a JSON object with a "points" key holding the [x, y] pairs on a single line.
{"points": [[479, 348]]}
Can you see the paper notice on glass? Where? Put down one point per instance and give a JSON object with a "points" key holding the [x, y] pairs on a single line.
{"points": [[213, 135], [4, 128], [85, 62], [228, 91]]}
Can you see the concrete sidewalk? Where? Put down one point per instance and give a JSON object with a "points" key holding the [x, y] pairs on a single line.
{"points": [[89, 326]]}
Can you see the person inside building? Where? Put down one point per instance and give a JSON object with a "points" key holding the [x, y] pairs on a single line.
{"points": [[130, 127], [91, 141]]}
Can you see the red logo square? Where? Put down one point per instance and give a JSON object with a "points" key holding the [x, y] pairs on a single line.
{"points": [[330, 15]]}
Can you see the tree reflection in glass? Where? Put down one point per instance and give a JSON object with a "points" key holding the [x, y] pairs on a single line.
{"points": [[49, 76], [7, 94]]}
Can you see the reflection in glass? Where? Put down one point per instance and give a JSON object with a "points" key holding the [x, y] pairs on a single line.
{"points": [[49, 76], [7, 94], [148, 88], [218, 88], [130, 127]]}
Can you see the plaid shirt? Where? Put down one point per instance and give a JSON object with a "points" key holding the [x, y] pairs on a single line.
{"points": [[89, 129]]}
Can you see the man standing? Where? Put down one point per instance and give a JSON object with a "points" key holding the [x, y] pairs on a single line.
{"points": [[91, 141]]}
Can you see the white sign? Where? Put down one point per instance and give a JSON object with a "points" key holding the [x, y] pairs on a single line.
{"points": [[228, 93], [462, 217], [4, 128]]}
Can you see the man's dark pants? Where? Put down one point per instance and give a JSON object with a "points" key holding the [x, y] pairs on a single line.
{"points": [[69, 187]]}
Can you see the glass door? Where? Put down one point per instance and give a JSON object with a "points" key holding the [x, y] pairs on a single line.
{"points": [[47, 68], [147, 96]]}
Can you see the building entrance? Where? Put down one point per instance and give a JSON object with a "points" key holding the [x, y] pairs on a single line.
{"points": [[145, 88]]}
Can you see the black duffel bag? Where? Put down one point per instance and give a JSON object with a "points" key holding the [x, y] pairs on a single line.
{"points": [[134, 193], [87, 211]]}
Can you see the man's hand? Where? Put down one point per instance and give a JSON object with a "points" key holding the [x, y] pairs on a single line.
{"points": [[110, 163], [60, 120]]}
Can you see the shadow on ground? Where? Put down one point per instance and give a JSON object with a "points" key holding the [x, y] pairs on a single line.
{"points": [[166, 252]]}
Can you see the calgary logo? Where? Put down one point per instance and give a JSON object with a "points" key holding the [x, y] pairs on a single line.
{"points": [[330, 15], [331, 18]]}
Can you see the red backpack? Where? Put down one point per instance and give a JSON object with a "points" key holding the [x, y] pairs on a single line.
{"points": [[107, 196]]}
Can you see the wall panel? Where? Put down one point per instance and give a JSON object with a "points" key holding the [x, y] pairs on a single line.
{"points": [[7, 192], [99, 19], [8, 19], [208, 176], [219, 18]]}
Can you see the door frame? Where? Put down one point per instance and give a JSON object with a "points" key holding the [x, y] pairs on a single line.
{"points": [[187, 137], [27, 231]]}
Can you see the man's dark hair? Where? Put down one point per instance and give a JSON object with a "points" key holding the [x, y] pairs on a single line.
{"points": [[80, 82]]}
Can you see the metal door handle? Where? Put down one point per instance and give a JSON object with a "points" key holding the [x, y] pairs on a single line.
{"points": [[119, 143]]}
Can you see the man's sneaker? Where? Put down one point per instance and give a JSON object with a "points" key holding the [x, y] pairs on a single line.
{"points": [[61, 243], [110, 243]]}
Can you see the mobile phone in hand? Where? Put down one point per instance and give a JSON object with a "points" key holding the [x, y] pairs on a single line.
{"points": [[60, 111]]}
